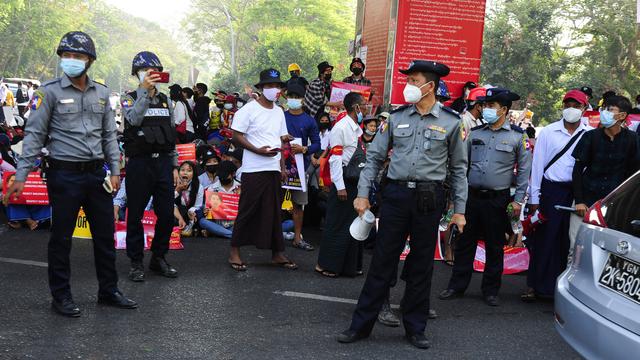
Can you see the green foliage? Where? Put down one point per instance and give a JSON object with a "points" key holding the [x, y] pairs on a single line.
{"points": [[260, 34], [34, 27]]}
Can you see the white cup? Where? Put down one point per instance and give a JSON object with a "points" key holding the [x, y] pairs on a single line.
{"points": [[361, 226]]}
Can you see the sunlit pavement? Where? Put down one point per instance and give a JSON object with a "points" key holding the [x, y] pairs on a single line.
{"points": [[213, 312]]}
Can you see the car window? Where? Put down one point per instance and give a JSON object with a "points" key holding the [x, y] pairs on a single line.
{"points": [[622, 206]]}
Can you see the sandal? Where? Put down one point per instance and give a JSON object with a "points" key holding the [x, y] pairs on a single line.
{"points": [[326, 273], [15, 225], [290, 265], [529, 296], [240, 267], [303, 245]]}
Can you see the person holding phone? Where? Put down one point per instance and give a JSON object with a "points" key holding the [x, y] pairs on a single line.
{"points": [[150, 145]]}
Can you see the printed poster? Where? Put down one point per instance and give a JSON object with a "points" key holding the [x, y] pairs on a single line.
{"points": [[186, 152], [294, 167], [35, 189], [149, 220], [222, 206]]}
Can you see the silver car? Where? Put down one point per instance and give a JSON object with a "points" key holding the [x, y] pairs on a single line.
{"points": [[597, 300]]}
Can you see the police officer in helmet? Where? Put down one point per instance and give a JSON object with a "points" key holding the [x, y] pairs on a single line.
{"points": [[494, 149], [149, 143], [427, 142], [73, 117]]}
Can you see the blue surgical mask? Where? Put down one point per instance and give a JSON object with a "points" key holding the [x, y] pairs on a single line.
{"points": [[73, 67], [294, 104], [360, 117], [606, 118], [490, 115]]}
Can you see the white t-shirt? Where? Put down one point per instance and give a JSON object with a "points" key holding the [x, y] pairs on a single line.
{"points": [[262, 127]]}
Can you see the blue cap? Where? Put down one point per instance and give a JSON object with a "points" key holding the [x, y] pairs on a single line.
{"points": [[499, 94], [427, 66]]}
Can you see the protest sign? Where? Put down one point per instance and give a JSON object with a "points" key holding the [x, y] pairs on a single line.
{"points": [[222, 206], [294, 166], [186, 152], [148, 223], [591, 118], [35, 189]]}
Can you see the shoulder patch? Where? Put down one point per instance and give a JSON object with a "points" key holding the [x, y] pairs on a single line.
{"points": [[38, 99], [126, 101], [401, 108], [451, 111], [479, 127], [517, 128]]}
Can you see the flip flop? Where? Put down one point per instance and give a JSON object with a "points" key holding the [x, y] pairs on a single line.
{"points": [[528, 297], [449, 262], [326, 273], [240, 267], [290, 265]]}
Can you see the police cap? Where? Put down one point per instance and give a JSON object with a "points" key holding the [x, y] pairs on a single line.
{"points": [[437, 68], [499, 95]]}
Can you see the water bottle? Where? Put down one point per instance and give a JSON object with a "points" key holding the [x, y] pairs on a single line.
{"points": [[446, 219], [516, 225]]}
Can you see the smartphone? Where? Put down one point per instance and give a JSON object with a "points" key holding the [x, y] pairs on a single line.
{"points": [[164, 76], [453, 235]]}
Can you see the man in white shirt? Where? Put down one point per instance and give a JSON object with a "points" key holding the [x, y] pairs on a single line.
{"points": [[550, 185], [260, 129], [340, 254]]}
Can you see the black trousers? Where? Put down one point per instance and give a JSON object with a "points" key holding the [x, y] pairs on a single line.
{"points": [[487, 219], [399, 216], [147, 177], [68, 191]]}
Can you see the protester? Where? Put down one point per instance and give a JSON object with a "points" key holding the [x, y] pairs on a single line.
{"points": [[495, 149], [260, 129], [295, 71], [189, 195], [181, 118], [149, 143], [460, 104], [188, 95], [472, 116], [324, 124], [226, 184], [413, 200], [210, 162], [76, 165], [319, 91], [30, 216], [201, 110], [606, 156], [551, 176], [340, 254], [22, 99], [357, 69], [589, 92], [370, 125], [300, 125], [120, 203]]}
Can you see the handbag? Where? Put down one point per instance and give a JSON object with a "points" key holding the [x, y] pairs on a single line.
{"points": [[351, 172]]}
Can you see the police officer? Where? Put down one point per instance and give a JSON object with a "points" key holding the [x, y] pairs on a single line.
{"points": [[426, 138], [494, 148], [150, 145], [72, 116]]}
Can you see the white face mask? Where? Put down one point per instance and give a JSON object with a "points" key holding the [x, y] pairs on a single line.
{"points": [[413, 94], [141, 76], [571, 115], [271, 94]]}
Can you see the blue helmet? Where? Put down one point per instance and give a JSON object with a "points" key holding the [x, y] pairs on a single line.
{"points": [[143, 60], [443, 91], [77, 42]]}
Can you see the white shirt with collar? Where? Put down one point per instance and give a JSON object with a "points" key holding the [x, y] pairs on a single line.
{"points": [[345, 133], [551, 140], [324, 139]]}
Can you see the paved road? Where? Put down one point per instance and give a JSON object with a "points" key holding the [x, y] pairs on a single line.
{"points": [[212, 312]]}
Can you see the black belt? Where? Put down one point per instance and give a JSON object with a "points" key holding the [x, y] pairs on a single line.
{"points": [[80, 166], [488, 194], [413, 184]]}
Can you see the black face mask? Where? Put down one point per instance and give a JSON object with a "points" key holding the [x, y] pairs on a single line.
{"points": [[325, 126], [356, 71], [327, 77], [211, 168], [293, 74], [219, 104], [226, 181]]}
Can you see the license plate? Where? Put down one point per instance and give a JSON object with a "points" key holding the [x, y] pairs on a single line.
{"points": [[622, 276]]}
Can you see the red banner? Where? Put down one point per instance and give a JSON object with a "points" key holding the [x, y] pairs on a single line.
{"points": [[148, 223], [186, 152], [375, 36], [593, 118], [446, 31], [35, 189], [222, 206]]}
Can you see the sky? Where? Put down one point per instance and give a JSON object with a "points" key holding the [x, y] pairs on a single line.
{"points": [[166, 13]]}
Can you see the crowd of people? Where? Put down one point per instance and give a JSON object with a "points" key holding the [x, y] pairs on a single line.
{"points": [[412, 166]]}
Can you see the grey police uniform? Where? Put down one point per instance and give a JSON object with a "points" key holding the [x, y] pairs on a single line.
{"points": [[79, 131], [424, 148], [493, 155]]}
